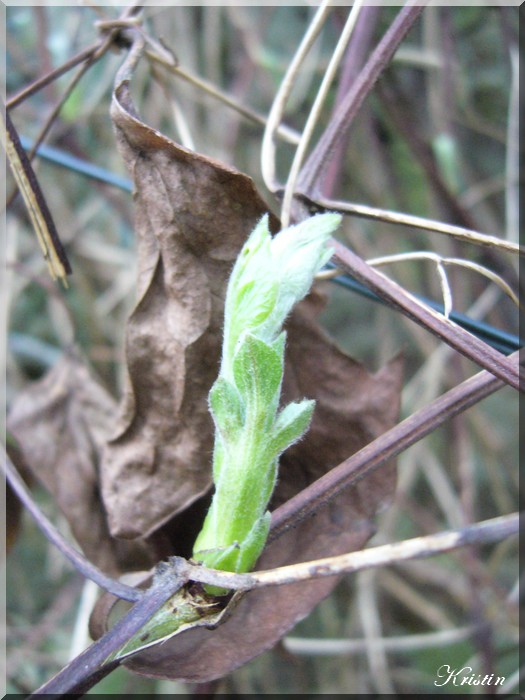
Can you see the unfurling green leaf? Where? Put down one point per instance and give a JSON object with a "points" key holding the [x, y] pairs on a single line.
{"points": [[292, 422], [226, 408], [258, 372], [270, 276]]}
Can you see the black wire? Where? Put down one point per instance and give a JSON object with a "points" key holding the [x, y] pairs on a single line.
{"points": [[502, 341]]}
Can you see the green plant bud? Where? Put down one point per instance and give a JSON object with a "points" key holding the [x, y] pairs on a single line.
{"points": [[269, 277], [298, 252]]}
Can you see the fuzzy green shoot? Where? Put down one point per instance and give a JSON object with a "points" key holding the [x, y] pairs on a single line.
{"points": [[269, 277]]}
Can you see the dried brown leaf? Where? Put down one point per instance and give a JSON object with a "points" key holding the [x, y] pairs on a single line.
{"points": [[192, 217], [60, 423]]}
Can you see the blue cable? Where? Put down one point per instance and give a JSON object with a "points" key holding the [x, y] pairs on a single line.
{"points": [[55, 155], [505, 342]]}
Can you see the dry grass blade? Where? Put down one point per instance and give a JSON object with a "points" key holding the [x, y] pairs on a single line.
{"points": [[315, 111], [463, 341], [489, 274], [440, 262], [277, 110], [445, 289], [43, 224], [400, 219]]}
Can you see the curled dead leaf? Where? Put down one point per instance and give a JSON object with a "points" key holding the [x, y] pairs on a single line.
{"points": [[192, 217], [61, 423]]}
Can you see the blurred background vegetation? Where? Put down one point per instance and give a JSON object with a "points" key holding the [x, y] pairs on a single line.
{"points": [[437, 139]]}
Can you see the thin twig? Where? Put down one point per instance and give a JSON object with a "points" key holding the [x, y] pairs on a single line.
{"points": [[40, 83], [320, 203], [128, 17], [281, 97], [392, 293], [162, 56], [315, 111], [440, 261], [285, 132], [83, 566], [50, 120], [90, 60], [484, 532], [58, 267]]}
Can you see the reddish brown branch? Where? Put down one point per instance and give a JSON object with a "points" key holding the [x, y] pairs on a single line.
{"points": [[351, 104], [385, 447], [455, 336], [83, 566], [45, 80], [86, 670]]}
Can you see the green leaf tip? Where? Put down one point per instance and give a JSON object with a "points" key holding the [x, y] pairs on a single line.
{"points": [[271, 275]]}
